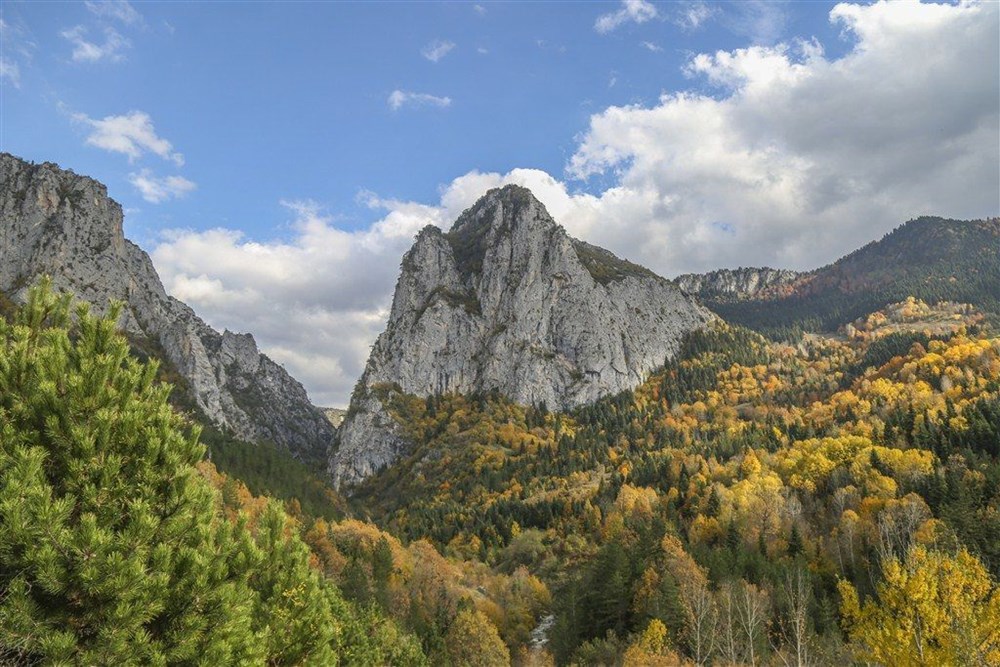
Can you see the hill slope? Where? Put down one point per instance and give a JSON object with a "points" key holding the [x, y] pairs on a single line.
{"points": [[933, 259]]}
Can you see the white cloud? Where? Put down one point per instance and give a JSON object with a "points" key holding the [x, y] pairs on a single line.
{"points": [[437, 50], [91, 52], [9, 71], [157, 190], [132, 134], [315, 303], [400, 98], [650, 46], [482, 50], [692, 15], [632, 11], [17, 50], [480, 9], [119, 10], [796, 159]]}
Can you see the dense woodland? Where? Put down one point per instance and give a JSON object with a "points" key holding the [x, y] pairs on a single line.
{"points": [[831, 500], [120, 543]]}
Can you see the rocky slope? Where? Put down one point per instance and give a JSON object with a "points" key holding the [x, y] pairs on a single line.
{"points": [[55, 222], [741, 283], [507, 301]]}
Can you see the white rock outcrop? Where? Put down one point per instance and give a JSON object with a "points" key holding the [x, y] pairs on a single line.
{"points": [[508, 301], [735, 284]]}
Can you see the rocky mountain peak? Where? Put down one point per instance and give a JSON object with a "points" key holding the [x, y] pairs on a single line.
{"points": [[508, 301], [55, 222], [507, 212], [502, 207], [38, 195]]}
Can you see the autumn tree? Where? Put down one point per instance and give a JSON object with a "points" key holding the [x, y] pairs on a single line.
{"points": [[931, 608], [651, 648], [472, 641]]}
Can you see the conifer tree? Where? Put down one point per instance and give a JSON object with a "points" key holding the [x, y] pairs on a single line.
{"points": [[115, 550], [110, 552]]}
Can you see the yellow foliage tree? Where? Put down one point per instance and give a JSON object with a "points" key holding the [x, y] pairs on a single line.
{"points": [[651, 649], [473, 641], [932, 608]]}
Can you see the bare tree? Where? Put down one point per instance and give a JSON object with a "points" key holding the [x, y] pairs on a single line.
{"points": [[702, 620], [729, 644], [743, 615], [793, 637], [752, 611]]}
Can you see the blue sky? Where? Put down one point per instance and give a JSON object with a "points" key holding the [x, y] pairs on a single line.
{"points": [[286, 101], [276, 159]]}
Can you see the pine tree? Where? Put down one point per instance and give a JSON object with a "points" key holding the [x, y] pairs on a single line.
{"points": [[110, 552], [795, 545], [115, 550]]}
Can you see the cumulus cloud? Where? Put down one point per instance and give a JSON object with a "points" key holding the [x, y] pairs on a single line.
{"points": [[650, 46], [437, 50], [632, 11], [85, 51], [798, 158], [792, 160], [315, 303], [119, 10], [156, 190], [401, 98], [132, 134]]}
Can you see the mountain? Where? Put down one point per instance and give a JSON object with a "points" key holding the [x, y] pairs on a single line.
{"points": [[933, 259], [58, 223], [734, 284], [508, 302]]}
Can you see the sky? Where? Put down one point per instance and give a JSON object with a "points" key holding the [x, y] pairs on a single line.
{"points": [[277, 159]]}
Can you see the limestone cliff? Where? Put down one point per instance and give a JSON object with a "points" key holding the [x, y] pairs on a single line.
{"points": [[508, 301], [735, 284], [55, 222]]}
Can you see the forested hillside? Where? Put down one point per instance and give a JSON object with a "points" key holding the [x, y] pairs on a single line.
{"points": [[752, 503], [121, 544], [932, 259]]}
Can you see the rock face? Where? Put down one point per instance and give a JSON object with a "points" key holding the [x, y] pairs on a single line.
{"points": [[508, 301], [735, 284], [55, 222]]}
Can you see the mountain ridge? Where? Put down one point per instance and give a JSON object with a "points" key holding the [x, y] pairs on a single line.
{"points": [[930, 258], [735, 284], [59, 223]]}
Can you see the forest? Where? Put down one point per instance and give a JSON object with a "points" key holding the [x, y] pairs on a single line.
{"points": [[830, 500]]}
